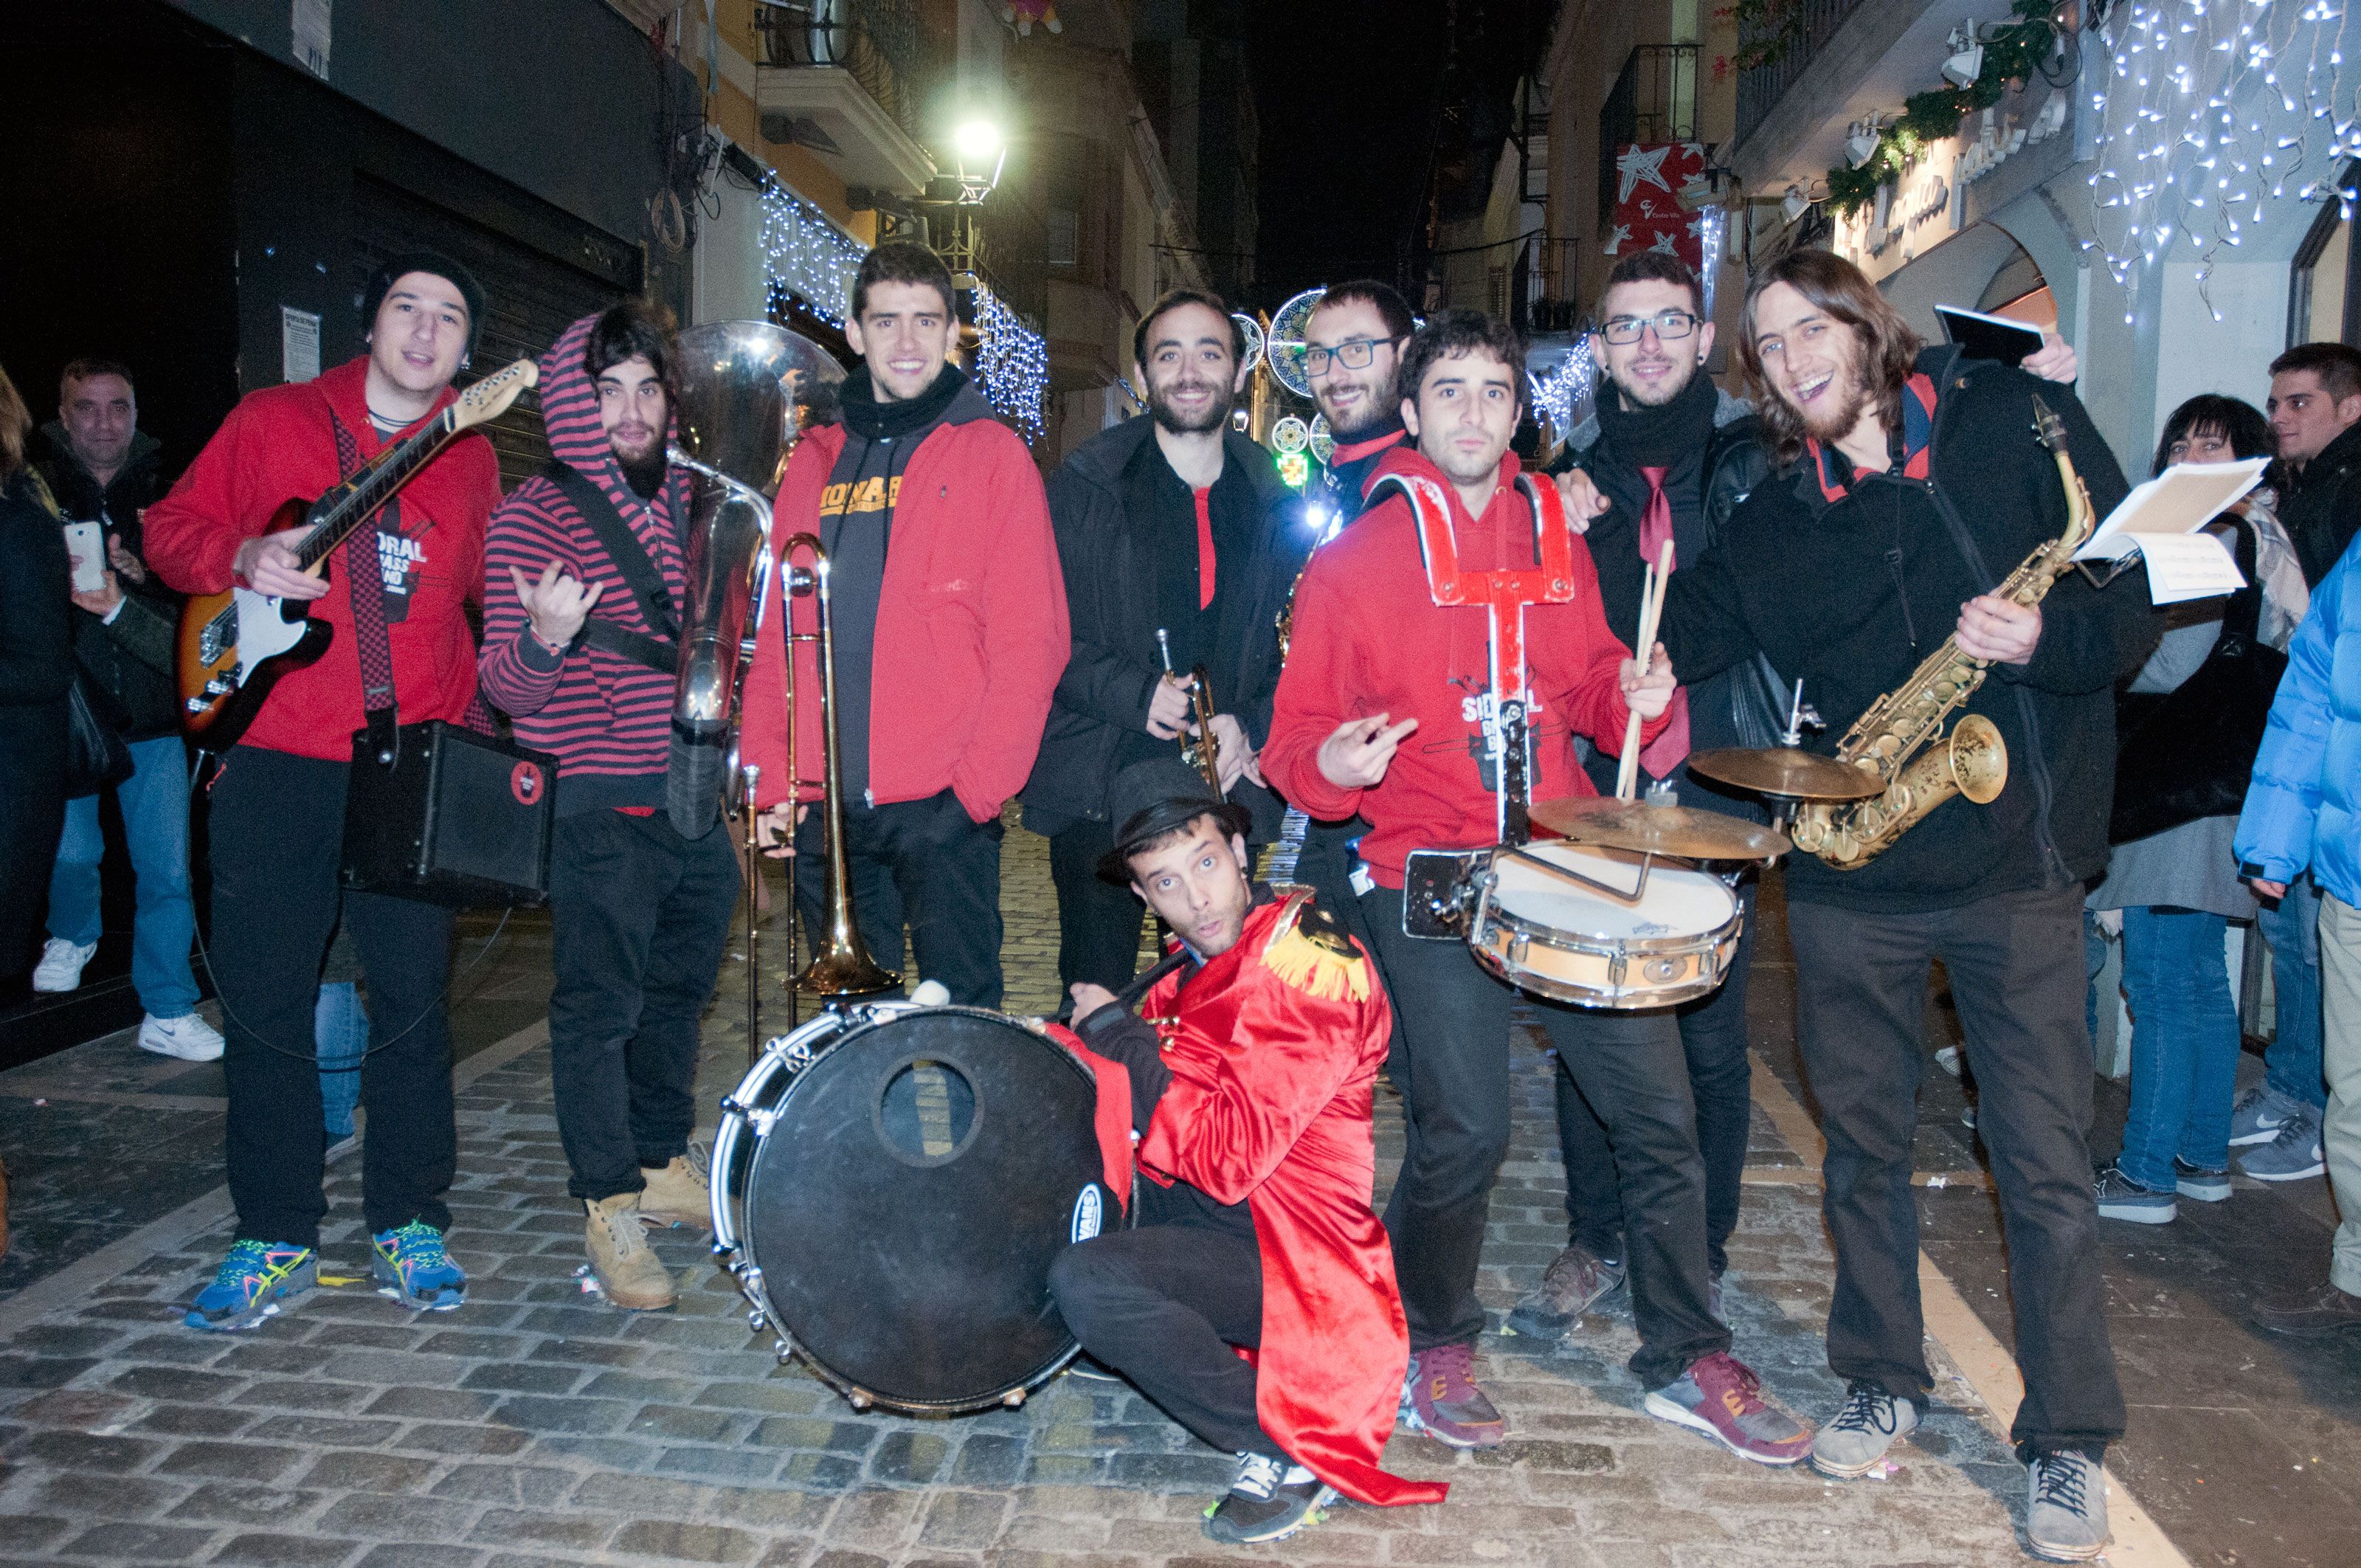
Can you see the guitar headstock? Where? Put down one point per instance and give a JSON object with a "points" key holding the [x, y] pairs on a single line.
{"points": [[2047, 427], [490, 398]]}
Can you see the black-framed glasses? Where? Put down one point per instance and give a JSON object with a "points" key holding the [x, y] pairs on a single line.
{"points": [[1670, 326], [1354, 354]]}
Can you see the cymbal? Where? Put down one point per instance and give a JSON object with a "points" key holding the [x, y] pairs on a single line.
{"points": [[1786, 772], [1673, 830]]}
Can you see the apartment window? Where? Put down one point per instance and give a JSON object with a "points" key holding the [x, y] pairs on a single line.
{"points": [[2323, 306], [1061, 237]]}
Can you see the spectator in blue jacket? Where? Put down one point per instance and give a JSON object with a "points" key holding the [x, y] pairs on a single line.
{"points": [[2302, 814]]}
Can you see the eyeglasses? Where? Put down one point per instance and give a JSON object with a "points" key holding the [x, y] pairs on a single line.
{"points": [[1355, 355], [1670, 326]]}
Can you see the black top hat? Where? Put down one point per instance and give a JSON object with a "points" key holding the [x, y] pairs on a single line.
{"points": [[1151, 798]]}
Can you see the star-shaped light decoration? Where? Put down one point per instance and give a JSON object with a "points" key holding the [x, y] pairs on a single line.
{"points": [[1615, 239], [1642, 165]]}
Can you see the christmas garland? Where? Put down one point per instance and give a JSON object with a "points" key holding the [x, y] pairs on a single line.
{"points": [[2011, 54]]}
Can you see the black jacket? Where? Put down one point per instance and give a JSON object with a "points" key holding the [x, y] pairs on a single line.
{"points": [[1838, 593], [2320, 505], [1109, 560], [131, 660], [1743, 705]]}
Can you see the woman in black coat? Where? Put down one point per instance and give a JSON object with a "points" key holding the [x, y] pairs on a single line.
{"points": [[37, 665]]}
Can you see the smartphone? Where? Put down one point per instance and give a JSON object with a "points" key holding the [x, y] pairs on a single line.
{"points": [[87, 545]]}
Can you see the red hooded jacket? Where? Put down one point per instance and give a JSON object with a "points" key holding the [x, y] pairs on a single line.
{"points": [[971, 625], [1369, 639], [277, 446]]}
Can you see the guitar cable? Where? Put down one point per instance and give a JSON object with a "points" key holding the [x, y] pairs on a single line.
{"points": [[229, 1015]]}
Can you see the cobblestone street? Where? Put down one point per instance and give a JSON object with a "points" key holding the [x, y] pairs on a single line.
{"points": [[537, 1425]]}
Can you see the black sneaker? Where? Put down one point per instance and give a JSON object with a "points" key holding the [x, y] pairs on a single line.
{"points": [[1270, 1500]]}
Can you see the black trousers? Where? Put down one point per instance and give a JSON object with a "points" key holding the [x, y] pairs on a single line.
{"points": [[1449, 1060], [640, 918], [278, 839], [926, 864], [2014, 962], [1098, 921], [1713, 1043], [32, 816], [1162, 1305]]}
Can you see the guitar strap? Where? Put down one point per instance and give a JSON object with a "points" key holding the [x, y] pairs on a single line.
{"points": [[365, 582]]}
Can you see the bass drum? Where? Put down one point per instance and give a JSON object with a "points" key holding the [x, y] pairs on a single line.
{"points": [[891, 1185]]}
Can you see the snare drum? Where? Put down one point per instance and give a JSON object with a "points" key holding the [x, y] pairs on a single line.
{"points": [[1560, 938], [891, 1184]]}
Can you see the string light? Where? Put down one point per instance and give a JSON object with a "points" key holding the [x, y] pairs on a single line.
{"points": [[1562, 401], [2169, 121], [1011, 364], [806, 254]]}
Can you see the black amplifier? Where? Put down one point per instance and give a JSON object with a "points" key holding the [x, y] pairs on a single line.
{"points": [[456, 817]]}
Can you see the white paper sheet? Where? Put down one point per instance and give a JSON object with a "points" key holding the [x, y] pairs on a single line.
{"points": [[2181, 500], [2186, 566]]}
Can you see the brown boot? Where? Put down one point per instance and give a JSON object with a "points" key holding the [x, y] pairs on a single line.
{"points": [[633, 1278], [676, 1193]]}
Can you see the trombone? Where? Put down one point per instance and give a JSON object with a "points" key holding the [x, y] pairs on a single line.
{"points": [[840, 968]]}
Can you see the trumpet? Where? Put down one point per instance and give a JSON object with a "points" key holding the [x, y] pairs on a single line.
{"points": [[840, 966], [1201, 751]]}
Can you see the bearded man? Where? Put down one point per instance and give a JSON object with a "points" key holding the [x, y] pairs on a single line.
{"points": [[1174, 534], [1905, 484]]}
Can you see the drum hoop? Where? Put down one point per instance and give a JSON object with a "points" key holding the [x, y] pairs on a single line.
{"points": [[1597, 998], [740, 1263], [1490, 912]]}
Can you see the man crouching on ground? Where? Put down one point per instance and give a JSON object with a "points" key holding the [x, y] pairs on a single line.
{"points": [[1251, 1075]]}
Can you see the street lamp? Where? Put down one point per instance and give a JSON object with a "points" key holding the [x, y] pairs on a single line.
{"points": [[979, 153]]}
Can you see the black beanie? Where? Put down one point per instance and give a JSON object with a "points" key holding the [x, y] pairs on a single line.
{"points": [[381, 281]]}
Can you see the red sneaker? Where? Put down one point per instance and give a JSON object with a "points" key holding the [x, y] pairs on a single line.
{"points": [[1719, 1397], [1440, 1398]]}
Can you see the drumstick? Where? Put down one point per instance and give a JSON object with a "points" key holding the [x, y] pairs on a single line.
{"points": [[1651, 604]]}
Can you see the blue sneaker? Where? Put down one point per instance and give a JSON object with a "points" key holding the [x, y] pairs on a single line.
{"points": [[2121, 1198], [257, 1280], [410, 1265]]}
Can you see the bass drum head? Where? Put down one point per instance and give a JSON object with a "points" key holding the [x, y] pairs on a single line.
{"points": [[904, 1207]]}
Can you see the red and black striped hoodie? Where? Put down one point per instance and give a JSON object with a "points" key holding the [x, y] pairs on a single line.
{"points": [[608, 719]]}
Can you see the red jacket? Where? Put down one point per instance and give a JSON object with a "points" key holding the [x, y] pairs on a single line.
{"points": [[1274, 1049], [278, 445], [1369, 639], [971, 625]]}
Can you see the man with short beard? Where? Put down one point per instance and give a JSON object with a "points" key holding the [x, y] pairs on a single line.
{"points": [[1907, 484], [640, 907], [1170, 522]]}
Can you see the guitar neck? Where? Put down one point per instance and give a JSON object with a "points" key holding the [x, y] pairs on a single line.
{"points": [[358, 498]]}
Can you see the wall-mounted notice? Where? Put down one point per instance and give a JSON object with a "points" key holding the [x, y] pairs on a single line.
{"points": [[312, 29], [299, 343]]}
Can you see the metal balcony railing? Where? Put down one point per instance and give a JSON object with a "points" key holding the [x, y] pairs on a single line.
{"points": [[877, 41], [1793, 32], [1653, 99]]}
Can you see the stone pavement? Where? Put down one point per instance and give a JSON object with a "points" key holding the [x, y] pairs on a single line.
{"points": [[536, 1425]]}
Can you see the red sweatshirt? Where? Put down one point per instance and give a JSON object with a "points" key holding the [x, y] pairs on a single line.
{"points": [[1369, 639], [278, 445], [971, 625]]}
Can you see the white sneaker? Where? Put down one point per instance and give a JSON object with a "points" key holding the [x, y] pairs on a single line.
{"points": [[1948, 1058], [191, 1039], [61, 965]]}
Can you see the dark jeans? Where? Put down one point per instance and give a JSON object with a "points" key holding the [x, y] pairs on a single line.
{"points": [[2014, 962], [926, 864], [1713, 1042], [278, 839], [1162, 1305], [1098, 921], [1449, 1060], [640, 916]]}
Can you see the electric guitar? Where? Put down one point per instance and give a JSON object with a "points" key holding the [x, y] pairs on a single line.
{"points": [[235, 645]]}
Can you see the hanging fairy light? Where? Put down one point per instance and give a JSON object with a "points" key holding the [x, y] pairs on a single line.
{"points": [[806, 254], [1713, 231], [1011, 364], [1562, 398], [2208, 108]]}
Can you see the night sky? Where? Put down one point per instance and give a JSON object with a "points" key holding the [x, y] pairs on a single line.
{"points": [[1350, 94]]}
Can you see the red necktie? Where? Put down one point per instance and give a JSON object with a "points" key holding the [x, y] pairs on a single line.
{"points": [[1205, 547], [1663, 754]]}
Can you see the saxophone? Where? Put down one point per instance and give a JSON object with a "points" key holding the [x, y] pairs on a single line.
{"points": [[1972, 760]]}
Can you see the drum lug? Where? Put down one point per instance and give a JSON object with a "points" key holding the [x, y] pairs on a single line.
{"points": [[785, 1349], [858, 1398], [730, 1106], [754, 1320], [1013, 1398]]}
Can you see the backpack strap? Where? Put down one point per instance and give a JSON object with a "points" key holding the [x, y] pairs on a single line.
{"points": [[640, 575]]}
